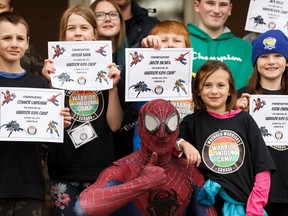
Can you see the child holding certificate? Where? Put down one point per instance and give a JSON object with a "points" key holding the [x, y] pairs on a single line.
{"points": [[88, 145], [270, 76], [235, 159], [167, 34], [22, 184], [111, 26]]}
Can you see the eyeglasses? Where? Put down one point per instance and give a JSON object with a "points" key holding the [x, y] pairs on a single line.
{"points": [[102, 15]]}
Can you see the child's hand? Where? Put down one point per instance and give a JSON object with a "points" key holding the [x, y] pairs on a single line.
{"points": [[65, 112], [151, 41], [191, 153], [243, 102], [114, 73], [48, 69]]}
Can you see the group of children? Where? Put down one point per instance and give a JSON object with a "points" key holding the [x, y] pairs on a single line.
{"points": [[255, 176], [219, 126]]}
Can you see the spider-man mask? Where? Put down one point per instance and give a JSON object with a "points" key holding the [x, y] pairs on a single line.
{"points": [[158, 126]]}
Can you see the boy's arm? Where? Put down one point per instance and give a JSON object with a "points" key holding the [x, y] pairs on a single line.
{"points": [[151, 41]]}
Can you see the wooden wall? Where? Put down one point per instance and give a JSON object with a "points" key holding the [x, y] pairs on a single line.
{"points": [[43, 17], [236, 22]]}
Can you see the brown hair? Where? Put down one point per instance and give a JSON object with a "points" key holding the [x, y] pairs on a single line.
{"points": [[121, 36], [10, 2], [254, 86], [14, 18], [202, 74], [80, 10], [172, 26]]}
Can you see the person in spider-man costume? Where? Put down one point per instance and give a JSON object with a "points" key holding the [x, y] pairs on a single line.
{"points": [[149, 181]]}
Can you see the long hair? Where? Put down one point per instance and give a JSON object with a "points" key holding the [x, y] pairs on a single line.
{"points": [[254, 86], [11, 5], [80, 10], [202, 74], [120, 39], [172, 26]]}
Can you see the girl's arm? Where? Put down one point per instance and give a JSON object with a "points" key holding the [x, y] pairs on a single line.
{"points": [[259, 195], [48, 69], [191, 153], [243, 102], [114, 114], [65, 112]]}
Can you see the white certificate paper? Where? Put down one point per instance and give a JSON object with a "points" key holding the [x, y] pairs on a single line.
{"points": [[152, 74], [31, 114], [264, 15], [271, 114], [81, 65]]}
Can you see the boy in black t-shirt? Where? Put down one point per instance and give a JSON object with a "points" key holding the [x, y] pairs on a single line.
{"points": [[22, 181]]}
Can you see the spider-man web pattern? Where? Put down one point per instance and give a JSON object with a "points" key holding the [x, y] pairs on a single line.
{"points": [[155, 182]]}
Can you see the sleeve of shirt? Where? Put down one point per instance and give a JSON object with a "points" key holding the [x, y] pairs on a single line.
{"points": [[259, 195], [176, 153], [182, 134]]}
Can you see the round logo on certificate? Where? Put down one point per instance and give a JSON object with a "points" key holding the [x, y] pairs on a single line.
{"points": [[278, 135], [32, 130], [81, 80], [158, 89]]}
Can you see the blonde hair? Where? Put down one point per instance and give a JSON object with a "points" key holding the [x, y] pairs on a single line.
{"points": [[80, 10]]}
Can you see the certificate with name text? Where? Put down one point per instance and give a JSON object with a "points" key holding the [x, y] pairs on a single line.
{"points": [[81, 65], [264, 15], [31, 114], [271, 114], [152, 74]]}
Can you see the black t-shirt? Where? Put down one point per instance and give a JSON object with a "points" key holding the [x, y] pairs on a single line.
{"points": [[67, 163], [21, 174], [279, 184], [232, 150]]}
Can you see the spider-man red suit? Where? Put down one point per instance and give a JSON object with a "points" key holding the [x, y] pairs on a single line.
{"points": [[149, 181]]}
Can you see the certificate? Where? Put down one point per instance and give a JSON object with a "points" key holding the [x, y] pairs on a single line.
{"points": [[271, 114], [81, 65], [264, 15], [152, 74], [31, 114]]}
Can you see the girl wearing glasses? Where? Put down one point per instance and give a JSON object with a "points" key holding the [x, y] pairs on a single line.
{"points": [[111, 26]]}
